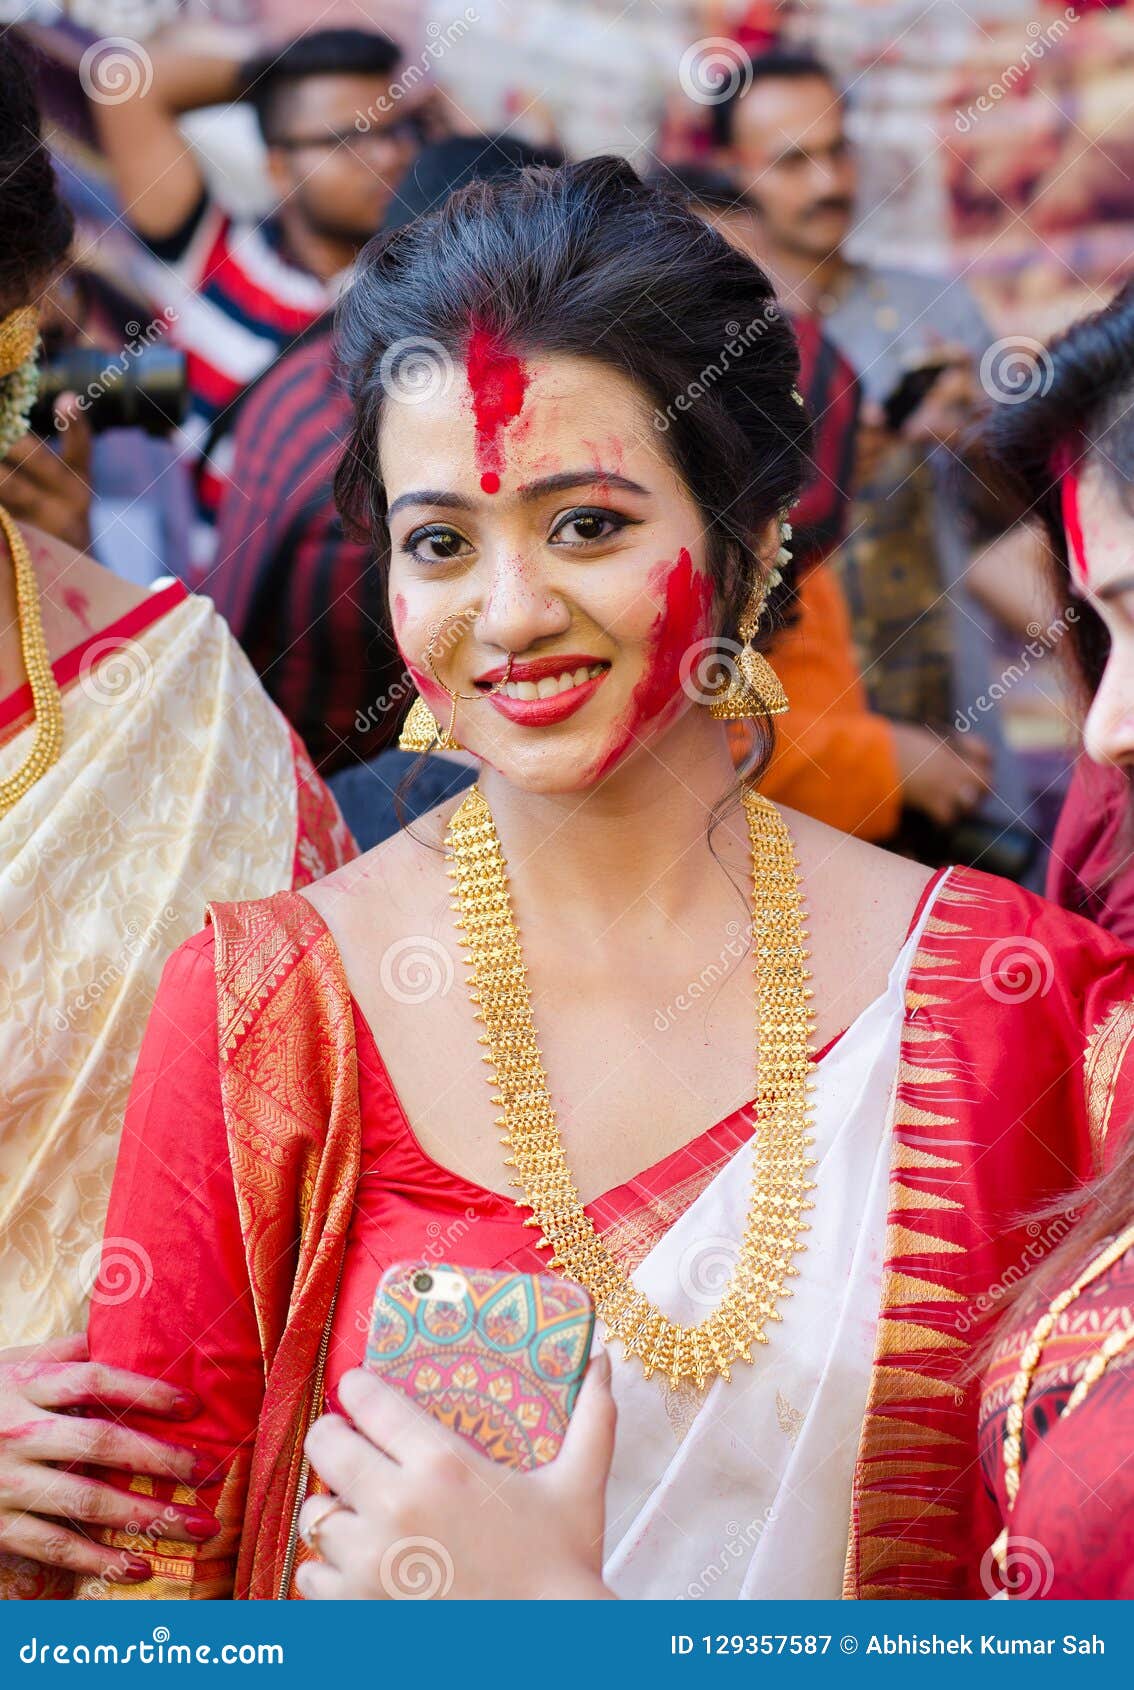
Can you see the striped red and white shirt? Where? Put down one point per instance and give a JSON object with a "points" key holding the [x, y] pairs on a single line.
{"points": [[239, 300]]}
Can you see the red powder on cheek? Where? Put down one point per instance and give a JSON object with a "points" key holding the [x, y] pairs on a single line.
{"points": [[497, 382], [683, 620], [434, 695]]}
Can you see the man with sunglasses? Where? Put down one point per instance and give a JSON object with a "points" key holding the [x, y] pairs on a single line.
{"points": [[340, 133]]}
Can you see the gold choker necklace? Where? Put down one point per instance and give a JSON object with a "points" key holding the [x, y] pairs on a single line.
{"points": [[772, 1234], [47, 701]]}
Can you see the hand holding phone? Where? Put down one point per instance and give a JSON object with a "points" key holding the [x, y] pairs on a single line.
{"points": [[496, 1356]]}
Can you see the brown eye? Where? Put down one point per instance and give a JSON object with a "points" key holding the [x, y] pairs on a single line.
{"points": [[438, 544], [584, 527]]}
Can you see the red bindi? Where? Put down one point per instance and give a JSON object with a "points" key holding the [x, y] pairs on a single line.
{"points": [[497, 382]]}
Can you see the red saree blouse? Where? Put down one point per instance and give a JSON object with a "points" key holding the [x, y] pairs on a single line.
{"points": [[266, 1162], [1071, 1531]]}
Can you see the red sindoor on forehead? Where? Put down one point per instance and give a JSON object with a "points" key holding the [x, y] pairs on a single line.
{"points": [[497, 382]]}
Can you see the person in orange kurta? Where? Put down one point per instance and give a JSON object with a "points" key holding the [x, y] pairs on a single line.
{"points": [[834, 758]]}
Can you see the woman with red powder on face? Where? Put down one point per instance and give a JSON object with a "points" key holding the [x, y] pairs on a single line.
{"points": [[580, 594], [1058, 1400], [1081, 424]]}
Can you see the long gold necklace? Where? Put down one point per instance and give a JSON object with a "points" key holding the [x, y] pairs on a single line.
{"points": [[47, 700], [772, 1235]]}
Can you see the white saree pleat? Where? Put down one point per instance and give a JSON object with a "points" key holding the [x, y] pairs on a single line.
{"points": [[176, 785], [744, 1490]]}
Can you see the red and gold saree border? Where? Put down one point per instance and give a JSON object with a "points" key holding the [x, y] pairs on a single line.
{"points": [[289, 1081], [976, 1145]]}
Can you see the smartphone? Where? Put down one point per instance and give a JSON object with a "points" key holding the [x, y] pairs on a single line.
{"points": [[497, 1356], [912, 387]]}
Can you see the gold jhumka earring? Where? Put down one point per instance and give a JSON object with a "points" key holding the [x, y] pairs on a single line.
{"points": [[421, 730], [755, 689]]}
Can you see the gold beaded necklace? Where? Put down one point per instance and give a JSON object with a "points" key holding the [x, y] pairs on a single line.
{"points": [[47, 700], [772, 1235]]}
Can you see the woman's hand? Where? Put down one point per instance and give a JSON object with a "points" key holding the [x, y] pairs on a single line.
{"points": [[40, 1387], [416, 1510]]}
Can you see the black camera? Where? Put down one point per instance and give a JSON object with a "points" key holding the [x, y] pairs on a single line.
{"points": [[146, 389]]}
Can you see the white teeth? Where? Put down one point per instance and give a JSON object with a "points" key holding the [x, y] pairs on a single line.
{"points": [[551, 684]]}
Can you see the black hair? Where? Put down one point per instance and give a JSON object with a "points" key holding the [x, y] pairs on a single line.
{"points": [[272, 76], [1083, 399], [587, 259], [776, 65], [443, 166], [37, 222]]}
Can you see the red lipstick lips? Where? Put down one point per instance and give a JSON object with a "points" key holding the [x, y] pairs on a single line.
{"points": [[538, 668], [543, 712]]}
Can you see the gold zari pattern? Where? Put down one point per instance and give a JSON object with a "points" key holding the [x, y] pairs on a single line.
{"points": [[1030, 1358], [772, 1235]]}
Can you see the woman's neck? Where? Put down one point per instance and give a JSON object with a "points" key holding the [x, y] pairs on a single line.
{"points": [[641, 832]]}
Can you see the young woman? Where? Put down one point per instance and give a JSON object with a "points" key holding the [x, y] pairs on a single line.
{"points": [[804, 1150], [1078, 421], [1059, 1392], [142, 769]]}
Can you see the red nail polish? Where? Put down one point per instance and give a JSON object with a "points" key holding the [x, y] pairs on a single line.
{"points": [[135, 1569], [203, 1468], [201, 1526], [186, 1405]]}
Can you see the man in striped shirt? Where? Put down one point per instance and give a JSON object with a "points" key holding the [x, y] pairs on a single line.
{"points": [[340, 132]]}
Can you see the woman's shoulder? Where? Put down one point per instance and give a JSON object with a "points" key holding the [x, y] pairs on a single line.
{"points": [[77, 595], [399, 879], [856, 893]]}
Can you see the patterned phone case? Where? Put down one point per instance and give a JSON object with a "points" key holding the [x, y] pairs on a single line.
{"points": [[502, 1366]]}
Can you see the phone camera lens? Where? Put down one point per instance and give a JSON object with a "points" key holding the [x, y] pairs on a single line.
{"points": [[423, 1282]]}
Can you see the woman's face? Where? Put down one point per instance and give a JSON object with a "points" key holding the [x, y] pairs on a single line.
{"points": [[533, 503], [1108, 549]]}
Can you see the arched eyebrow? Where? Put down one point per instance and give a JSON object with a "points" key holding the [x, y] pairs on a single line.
{"points": [[1115, 589], [527, 492]]}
